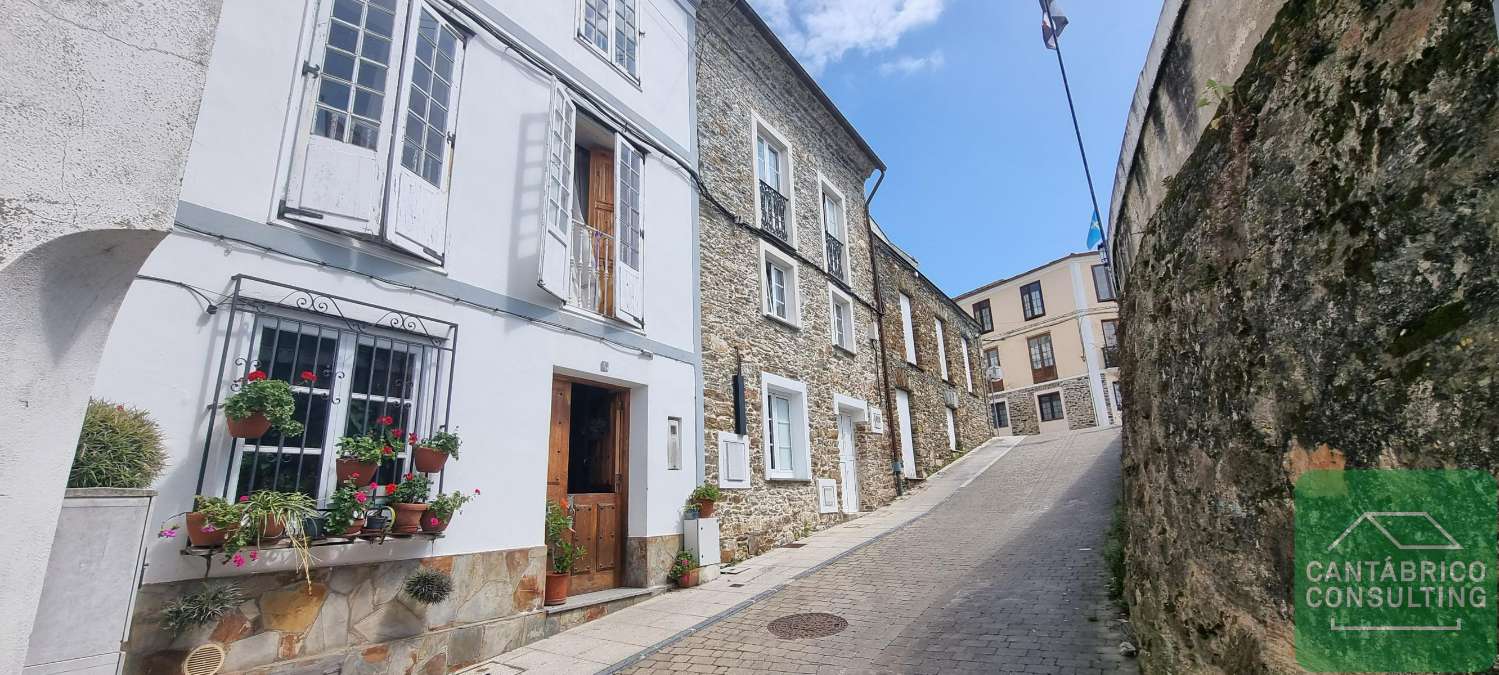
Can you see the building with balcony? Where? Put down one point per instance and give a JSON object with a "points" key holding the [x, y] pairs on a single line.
{"points": [[368, 182], [1050, 346], [792, 422]]}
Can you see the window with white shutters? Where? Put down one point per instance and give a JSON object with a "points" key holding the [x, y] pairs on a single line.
{"points": [[778, 286], [940, 328], [841, 316], [381, 79], [601, 22], [787, 455], [907, 329], [967, 364]]}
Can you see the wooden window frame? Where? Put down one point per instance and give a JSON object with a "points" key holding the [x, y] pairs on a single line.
{"points": [[984, 314], [1046, 372], [1108, 281], [1032, 309], [1061, 407]]}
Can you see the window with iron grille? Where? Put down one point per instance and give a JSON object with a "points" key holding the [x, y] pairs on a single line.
{"points": [[835, 232], [773, 183], [1031, 302], [366, 363], [1110, 343]]}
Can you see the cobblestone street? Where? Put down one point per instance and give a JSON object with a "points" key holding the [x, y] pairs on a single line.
{"points": [[1005, 576]]}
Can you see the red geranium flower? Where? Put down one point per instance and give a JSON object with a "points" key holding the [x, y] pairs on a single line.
{"points": [[398, 434], [255, 376], [406, 477], [386, 420], [391, 487], [388, 451], [244, 498], [309, 376]]}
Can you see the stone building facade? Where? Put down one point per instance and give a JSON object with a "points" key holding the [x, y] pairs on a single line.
{"points": [[1309, 284], [767, 130], [935, 392], [1050, 344]]}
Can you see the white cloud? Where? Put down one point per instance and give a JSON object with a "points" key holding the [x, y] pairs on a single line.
{"points": [[821, 32], [910, 65]]}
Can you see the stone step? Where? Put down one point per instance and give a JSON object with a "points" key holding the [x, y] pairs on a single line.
{"points": [[580, 609]]}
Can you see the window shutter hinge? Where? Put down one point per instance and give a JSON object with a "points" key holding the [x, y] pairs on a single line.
{"points": [[309, 69], [452, 138]]}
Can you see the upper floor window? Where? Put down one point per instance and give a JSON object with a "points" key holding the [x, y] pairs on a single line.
{"points": [[967, 364], [835, 232], [1031, 303], [779, 286], [842, 318], [593, 218], [1043, 360], [907, 329], [381, 79], [940, 329], [1103, 284], [603, 21], [773, 183], [983, 315], [1110, 343]]}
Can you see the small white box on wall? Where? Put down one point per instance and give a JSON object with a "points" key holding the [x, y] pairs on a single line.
{"points": [[827, 495], [700, 538]]}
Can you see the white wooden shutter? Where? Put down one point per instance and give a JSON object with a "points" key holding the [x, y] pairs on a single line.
{"points": [[827, 495], [876, 420], [967, 365], [344, 137], [941, 347], [556, 210], [629, 254], [418, 214], [733, 461]]}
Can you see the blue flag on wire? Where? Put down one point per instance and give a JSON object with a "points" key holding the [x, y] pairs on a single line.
{"points": [[1095, 232]]}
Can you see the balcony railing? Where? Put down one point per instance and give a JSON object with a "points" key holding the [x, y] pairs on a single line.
{"points": [[1044, 374], [773, 211], [835, 256], [592, 268], [996, 377], [1111, 357]]}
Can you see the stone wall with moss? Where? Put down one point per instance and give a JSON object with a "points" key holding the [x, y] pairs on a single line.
{"points": [[1319, 286]]}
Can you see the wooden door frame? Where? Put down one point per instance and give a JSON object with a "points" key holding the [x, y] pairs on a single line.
{"points": [[620, 430]]}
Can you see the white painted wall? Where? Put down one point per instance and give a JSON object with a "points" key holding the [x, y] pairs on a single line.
{"points": [[163, 351]]}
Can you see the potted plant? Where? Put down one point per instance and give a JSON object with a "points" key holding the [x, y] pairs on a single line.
{"points": [[359, 457], [705, 496], [684, 570], [211, 521], [431, 454], [410, 502], [200, 608], [269, 515], [262, 403], [429, 586], [118, 447], [345, 514], [563, 554], [440, 511]]}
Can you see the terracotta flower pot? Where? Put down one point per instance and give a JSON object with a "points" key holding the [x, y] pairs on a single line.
{"points": [[354, 528], [272, 528], [377, 524], [197, 537], [360, 472], [688, 580], [409, 517], [428, 460], [557, 585], [705, 508], [434, 524], [253, 426]]}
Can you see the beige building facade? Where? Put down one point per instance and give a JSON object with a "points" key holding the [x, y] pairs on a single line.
{"points": [[1050, 346]]}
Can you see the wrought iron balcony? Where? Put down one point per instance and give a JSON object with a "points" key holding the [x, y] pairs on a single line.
{"points": [[773, 212], [1111, 357], [835, 256]]}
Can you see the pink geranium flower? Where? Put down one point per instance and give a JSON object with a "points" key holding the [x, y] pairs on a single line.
{"points": [[168, 533], [360, 497], [433, 521], [239, 560], [254, 555], [208, 528]]}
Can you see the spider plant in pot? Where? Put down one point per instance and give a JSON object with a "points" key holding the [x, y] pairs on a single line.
{"points": [[562, 554], [268, 516], [345, 514], [262, 403], [431, 454], [410, 502], [200, 608], [440, 511], [704, 496], [684, 570], [359, 457]]}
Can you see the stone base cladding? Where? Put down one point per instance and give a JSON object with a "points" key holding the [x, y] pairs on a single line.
{"points": [[649, 559], [1316, 290], [355, 619], [1025, 418], [741, 78]]}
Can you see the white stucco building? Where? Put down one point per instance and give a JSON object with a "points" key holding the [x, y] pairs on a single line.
{"points": [[372, 180]]}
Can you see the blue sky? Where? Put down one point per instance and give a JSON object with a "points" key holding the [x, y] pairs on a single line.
{"points": [[965, 105]]}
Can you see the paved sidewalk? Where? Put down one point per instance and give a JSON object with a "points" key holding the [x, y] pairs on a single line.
{"points": [[624, 637]]}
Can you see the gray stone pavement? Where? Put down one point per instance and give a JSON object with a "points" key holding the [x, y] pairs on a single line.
{"points": [[1003, 576]]}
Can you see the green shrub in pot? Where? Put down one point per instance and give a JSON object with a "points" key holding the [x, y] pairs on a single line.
{"points": [[118, 447]]}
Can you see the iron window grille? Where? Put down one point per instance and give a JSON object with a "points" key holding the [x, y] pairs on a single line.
{"points": [[835, 256], [773, 212], [368, 361]]}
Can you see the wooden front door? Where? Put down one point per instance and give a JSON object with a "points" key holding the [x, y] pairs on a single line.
{"points": [[588, 469]]}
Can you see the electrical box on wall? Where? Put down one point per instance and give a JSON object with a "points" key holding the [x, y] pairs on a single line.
{"points": [[700, 538]]}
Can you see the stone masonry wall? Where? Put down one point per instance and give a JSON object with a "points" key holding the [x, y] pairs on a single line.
{"points": [[356, 619], [924, 379], [740, 74], [1319, 286], [1077, 401]]}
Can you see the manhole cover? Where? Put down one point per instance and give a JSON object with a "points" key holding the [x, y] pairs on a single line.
{"points": [[811, 625]]}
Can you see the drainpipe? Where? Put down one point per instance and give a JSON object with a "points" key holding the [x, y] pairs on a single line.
{"points": [[879, 322]]}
